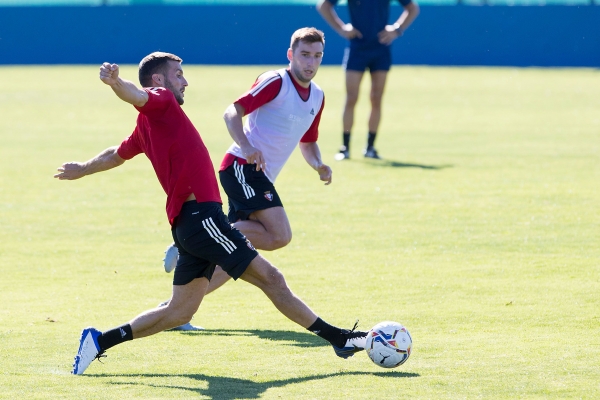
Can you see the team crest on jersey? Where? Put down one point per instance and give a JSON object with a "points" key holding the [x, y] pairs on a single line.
{"points": [[268, 196], [312, 111]]}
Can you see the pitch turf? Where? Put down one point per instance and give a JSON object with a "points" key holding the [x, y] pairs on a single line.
{"points": [[479, 230]]}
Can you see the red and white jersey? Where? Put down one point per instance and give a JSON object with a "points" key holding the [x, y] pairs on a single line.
{"points": [[276, 127]]}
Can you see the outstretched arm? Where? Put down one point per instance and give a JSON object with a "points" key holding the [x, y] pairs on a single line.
{"points": [[124, 89], [328, 13], [312, 155], [233, 119], [108, 159], [392, 32]]}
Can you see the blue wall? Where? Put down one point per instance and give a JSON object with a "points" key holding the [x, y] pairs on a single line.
{"points": [[442, 35]]}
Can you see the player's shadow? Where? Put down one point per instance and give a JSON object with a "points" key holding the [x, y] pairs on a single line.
{"points": [[399, 164], [229, 388], [297, 339]]}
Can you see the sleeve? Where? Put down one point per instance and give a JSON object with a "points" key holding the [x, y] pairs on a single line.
{"points": [[404, 2], [312, 134], [333, 2], [264, 90], [131, 146], [159, 100]]}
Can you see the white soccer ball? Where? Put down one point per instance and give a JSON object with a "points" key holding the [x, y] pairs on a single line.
{"points": [[388, 344]]}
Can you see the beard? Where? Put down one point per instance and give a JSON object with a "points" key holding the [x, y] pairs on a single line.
{"points": [[178, 95], [298, 75]]}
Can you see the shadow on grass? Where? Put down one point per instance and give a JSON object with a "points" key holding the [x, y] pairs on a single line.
{"points": [[298, 339], [227, 388], [398, 164]]}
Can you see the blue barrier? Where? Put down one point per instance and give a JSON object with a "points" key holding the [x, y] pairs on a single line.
{"points": [[563, 36]]}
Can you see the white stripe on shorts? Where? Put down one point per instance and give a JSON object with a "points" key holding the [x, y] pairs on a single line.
{"points": [[216, 234], [239, 174]]}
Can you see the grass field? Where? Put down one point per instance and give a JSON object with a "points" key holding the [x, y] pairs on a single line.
{"points": [[480, 231]]}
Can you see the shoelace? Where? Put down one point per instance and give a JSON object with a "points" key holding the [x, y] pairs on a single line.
{"points": [[99, 356]]}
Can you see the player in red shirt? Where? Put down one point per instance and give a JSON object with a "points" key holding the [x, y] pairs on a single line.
{"points": [[263, 144], [200, 229]]}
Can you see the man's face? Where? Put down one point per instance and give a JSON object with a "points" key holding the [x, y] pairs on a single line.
{"points": [[305, 60], [174, 80]]}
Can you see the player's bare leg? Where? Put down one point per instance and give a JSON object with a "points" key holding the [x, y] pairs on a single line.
{"points": [[181, 308], [353, 79], [378, 79], [262, 274], [267, 229], [184, 303]]}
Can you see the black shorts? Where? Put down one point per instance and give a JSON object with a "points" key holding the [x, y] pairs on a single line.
{"points": [[204, 239], [248, 190], [375, 59]]}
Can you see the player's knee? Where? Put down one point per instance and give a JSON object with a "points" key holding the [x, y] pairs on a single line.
{"points": [[180, 316], [275, 281], [280, 241], [351, 100], [376, 100], [279, 283]]}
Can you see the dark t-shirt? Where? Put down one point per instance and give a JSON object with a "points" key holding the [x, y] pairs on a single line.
{"points": [[369, 17], [174, 147]]}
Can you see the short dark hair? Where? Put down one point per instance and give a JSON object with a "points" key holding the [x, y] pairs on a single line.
{"points": [[307, 35], [154, 63]]}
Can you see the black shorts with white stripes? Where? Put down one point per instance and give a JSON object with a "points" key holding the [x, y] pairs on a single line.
{"points": [[248, 190], [204, 239]]}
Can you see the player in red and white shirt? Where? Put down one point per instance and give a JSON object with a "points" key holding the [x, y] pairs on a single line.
{"points": [[199, 227], [283, 110]]}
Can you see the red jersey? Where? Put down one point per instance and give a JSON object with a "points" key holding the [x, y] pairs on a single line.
{"points": [[173, 145]]}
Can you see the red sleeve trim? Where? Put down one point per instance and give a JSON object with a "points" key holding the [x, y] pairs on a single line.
{"points": [[264, 90], [312, 134]]}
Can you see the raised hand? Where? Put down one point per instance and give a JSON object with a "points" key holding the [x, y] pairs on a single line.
{"points": [[109, 73]]}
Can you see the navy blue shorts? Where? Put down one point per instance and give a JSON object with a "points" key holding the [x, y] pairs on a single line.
{"points": [[376, 59], [248, 190], [205, 238]]}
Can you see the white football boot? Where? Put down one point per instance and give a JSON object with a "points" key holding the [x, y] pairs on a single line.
{"points": [[89, 350]]}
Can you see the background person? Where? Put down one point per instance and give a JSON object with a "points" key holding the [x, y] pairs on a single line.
{"points": [[370, 38]]}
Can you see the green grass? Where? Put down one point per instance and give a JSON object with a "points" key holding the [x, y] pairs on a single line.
{"points": [[479, 231]]}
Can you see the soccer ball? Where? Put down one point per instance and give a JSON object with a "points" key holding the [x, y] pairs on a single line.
{"points": [[388, 344]]}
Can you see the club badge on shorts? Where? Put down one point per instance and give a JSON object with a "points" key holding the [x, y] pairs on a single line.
{"points": [[268, 196]]}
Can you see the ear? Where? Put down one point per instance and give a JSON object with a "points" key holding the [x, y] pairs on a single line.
{"points": [[290, 54], [159, 79]]}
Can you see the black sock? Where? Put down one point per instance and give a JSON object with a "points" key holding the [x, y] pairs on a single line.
{"points": [[328, 332], [371, 139], [346, 137], [115, 336]]}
